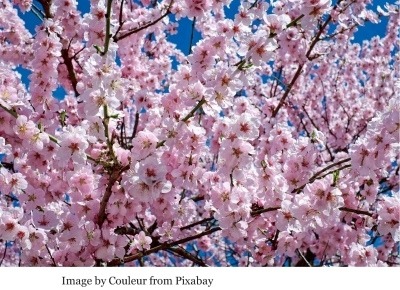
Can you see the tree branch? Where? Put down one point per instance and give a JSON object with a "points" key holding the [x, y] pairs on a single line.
{"points": [[136, 30], [51, 256], [164, 246], [70, 69], [288, 89], [192, 35], [46, 4], [315, 176], [300, 67], [191, 113], [4, 254], [187, 255], [357, 211], [263, 210], [12, 111], [108, 28], [114, 176], [197, 223]]}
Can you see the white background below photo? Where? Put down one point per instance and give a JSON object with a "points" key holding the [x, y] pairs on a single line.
{"points": [[197, 278]]}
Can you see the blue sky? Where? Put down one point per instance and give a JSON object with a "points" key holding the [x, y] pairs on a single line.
{"points": [[182, 38], [184, 30]]}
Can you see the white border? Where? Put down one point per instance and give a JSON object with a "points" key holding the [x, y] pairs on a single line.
{"points": [[223, 278]]}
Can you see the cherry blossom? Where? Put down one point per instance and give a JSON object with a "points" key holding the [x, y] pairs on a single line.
{"points": [[268, 138]]}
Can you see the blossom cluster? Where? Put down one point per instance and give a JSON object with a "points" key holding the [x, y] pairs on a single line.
{"points": [[274, 140]]}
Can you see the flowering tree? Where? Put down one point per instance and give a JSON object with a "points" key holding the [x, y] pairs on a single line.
{"points": [[273, 141]]}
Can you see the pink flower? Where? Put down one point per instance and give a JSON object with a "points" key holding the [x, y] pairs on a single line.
{"points": [[204, 243], [285, 218], [362, 256], [142, 242], [196, 8], [276, 23], [389, 217], [143, 144], [82, 180], [17, 183], [25, 5], [9, 227], [24, 128], [151, 171], [167, 232], [287, 244], [92, 234], [46, 219], [73, 145], [235, 153], [246, 127]]}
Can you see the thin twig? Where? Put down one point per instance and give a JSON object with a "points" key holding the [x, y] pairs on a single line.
{"points": [[135, 126], [333, 171], [300, 67], [136, 30], [196, 223], [70, 69], [192, 35], [185, 254], [164, 246], [191, 113], [304, 258], [263, 210], [357, 211], [315, 176], [115, 176], [12, 111], [46, 4], [288, 89], [51, 256], [4, 254], [108, 28]]}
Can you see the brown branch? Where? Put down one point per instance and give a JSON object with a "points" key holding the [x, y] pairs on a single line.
{"points": [[192, 35], [4, 254], [187, 255], [108, 28], [51, 257], [333, 171], [305, 261], [12, 111], [315, 176], [263, 210], [136, 30], [298, 72], [46, 4], [322, 29], [357, 211], [114, 176], [330, 166], [294, 22], [191, 113], [164, 246], [169, 246], [126, 231], [135, 126], [317, 36], [70, 69], [197, 223], [120, 21], [288, 89], [104, 201]]}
